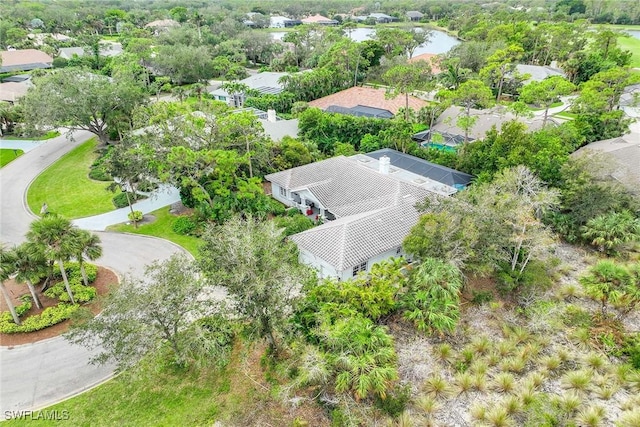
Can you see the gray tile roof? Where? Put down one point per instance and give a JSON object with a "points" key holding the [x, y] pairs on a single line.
{"points": [[446, 123], [625, 151], [348, 241], [539, 72]]}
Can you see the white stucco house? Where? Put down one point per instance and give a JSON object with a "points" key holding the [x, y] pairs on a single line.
{"points": [[367, 203]]}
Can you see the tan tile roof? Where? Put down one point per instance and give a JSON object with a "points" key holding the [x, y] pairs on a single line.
{"points": [[163, 23], [24, 57], [10, 91], [317, 19], [368, 97], [431, 58]]}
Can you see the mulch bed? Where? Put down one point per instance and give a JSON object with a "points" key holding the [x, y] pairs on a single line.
{"points": [[104, 281]]}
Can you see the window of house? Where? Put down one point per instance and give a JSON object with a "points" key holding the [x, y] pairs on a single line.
{"points": [[283, 192], [360, 267]]}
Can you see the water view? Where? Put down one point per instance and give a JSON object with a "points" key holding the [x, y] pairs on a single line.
{"points": [[440, 42]]}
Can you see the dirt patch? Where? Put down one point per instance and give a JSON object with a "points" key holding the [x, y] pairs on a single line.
{"points": [[104, 280], [178, 209]]}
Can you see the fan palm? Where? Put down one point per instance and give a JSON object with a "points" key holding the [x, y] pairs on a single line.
{"points": [[54, 235], [6, 270], [29, 264], [86, 245]]}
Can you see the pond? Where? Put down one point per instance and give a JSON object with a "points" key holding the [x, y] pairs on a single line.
{"points": [[440, 42], [633, 33]]}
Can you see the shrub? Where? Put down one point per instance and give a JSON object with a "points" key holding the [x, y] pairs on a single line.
{"points": [[293, 224], [73, 272], [80, 292], [396, 401], [100, 174], [49, 317], [135, 216], [481, 297], [184, 225], [120, 199], [276, 208]]}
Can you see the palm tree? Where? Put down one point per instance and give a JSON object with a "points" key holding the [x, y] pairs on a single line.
{"points": [[6, 270], [86, 245], [54, 234], [30, 264]]}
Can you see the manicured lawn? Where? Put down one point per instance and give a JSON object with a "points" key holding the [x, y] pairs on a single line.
{"points": [[8, 154], [632, 44], [162, 227], [65, 186], [566, 115]]}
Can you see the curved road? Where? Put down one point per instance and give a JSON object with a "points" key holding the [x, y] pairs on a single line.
{"points": [[35, 375]]}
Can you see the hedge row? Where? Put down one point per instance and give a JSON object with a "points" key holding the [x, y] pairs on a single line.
{"points": [[49, 317]]}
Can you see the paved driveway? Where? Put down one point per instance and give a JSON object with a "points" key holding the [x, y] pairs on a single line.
{"points": [[35, 375]]}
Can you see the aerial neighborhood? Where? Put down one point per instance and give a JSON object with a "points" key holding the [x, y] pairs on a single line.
{"points": [[334, 213]]}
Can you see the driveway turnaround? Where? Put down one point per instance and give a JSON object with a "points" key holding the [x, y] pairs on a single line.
{"points": [[35, 375]]}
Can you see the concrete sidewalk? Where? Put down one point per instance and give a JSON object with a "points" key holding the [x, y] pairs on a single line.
{"points": [[163, 196]]}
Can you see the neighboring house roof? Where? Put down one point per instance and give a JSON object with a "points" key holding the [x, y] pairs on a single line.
{"points": [[366, 97], [106, 49], [382, 16], [424, 168], [280, 128], [361, 111], [415, 14], [347, 242], [17, 78], [430, 58], [538, 72], [626, 152], [319, 19], [446, 123], [11, 91], [24, 60], [266, 83], [163, 23]]}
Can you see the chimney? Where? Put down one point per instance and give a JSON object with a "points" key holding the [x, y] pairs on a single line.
{"points": [[383, 165], [271, 116]]}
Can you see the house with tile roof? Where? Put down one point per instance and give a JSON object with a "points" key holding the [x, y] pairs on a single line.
{"points": [[450, 134], [432, 59], [24, 60], [319, 20], [367, 102], [414, 15], [367, 203]]}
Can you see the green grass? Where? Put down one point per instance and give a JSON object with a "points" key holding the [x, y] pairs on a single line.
{"points": [[162, 227], [566, 115], [48, 135], [8, 154], [67, 189], [632, 44], [150, 396]]}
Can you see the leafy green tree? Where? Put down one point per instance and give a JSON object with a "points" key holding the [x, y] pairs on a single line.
{"points": [[432, 301], [80, 100], [606, 282], [406, 78], [259, 271], [54, 235], [610, 232], [184, 64], [501, 64], [395, 41], [165, 311], [30, 265], [546, 92], [7, 265], [470, 94]]}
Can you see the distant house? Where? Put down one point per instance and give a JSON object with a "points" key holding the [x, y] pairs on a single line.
{"points": [[430, 58], [283, 22], [265, 83], [319, 20], [24, 60], [162, 25], [106, 49], [538, 73], [414, 15], [367, 102], [274, 127], [11, 91], [368, 202], [450, 134], [625, 152], [382, 18]]}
